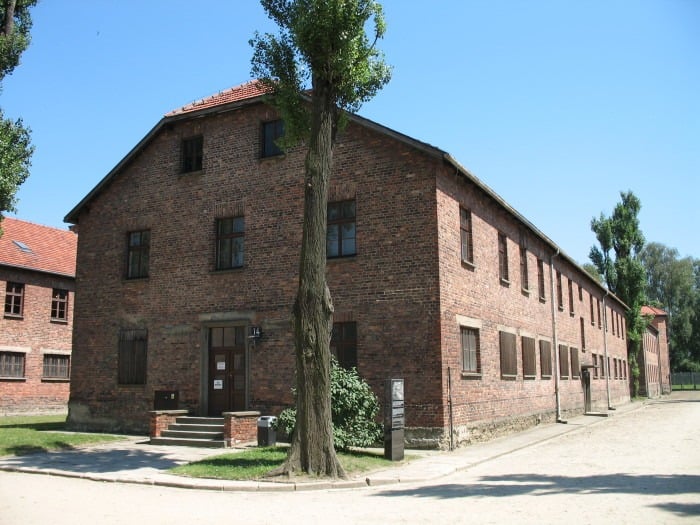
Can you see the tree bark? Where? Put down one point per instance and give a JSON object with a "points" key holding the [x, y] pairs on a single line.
{"points": [[8, 23], [312, 450]]}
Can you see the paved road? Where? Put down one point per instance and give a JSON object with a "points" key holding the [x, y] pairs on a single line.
{"points": [[639, 467]]}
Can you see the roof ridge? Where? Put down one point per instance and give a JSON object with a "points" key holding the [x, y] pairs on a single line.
{"points": [[249, 89]]}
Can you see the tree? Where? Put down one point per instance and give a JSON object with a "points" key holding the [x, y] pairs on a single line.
{"points": [[15, 143], [324, 43], [671, 284], [618, 261]]}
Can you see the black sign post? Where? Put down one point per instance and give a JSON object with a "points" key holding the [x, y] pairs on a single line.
{"points": [[394, 420]]}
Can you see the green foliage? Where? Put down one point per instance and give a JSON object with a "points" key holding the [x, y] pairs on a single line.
{"points": [[15, 142], [618, 262], [323, 46], [15, 160], [673, 283], [14, 38], [354, 410]]}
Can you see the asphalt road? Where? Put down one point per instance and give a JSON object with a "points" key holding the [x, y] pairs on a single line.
{"points": [[640, 467]]}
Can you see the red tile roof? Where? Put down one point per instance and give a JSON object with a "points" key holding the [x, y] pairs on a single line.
{"points": [[32, 246], [650, 310], [247, 90]]}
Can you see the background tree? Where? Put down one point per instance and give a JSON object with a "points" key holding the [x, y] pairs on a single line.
{"points": [[618, 261], [15, 143], [321, 45], [592, 270], [672, 285]]}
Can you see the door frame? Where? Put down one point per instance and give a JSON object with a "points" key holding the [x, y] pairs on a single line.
{"points": [[219, 321]]}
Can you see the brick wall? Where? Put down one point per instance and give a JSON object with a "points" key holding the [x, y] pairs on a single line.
{"points": [[405, 288], [35, 335]]}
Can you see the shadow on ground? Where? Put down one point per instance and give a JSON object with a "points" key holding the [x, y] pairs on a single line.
{"points": [[537, 484], [95, 461]]}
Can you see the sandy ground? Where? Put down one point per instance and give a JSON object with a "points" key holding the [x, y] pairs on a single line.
{"points": [[640, 467]]}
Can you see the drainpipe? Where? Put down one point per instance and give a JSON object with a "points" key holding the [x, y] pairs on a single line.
{"points": [[554, 337], [605, 348]]}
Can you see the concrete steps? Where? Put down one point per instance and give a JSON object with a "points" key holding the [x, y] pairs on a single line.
{"points": [[193, 432]]}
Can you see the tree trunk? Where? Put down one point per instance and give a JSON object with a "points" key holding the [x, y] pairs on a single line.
{"points": [[312, 450], [9, 22]]}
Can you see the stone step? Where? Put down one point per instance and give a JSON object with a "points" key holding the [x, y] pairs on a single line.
{"points": [[188, 434], [195, 420], [207, 443], [196, 427]]}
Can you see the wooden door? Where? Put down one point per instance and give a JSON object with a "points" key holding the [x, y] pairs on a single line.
{"points": [[227, 369]]}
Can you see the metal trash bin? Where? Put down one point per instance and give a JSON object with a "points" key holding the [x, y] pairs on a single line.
{"points": [[267, 434]]}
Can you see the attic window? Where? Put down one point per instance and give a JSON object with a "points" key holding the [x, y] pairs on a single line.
{"points": [[22, 246]]}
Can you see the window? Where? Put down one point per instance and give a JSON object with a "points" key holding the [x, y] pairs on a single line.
{"points": [[602, 366], [132, 356], [509, 364], [600, 322], [56, 366], [59, 305], [192, 154], [344, 344], [503, 257], [230, 234], [545, 359], [14, 300], [471, 357], [623, 327], [583, 333], [529, 358], [580, 293], [11, 364], [465, 226], [139, 254], [564, 361], [540, 280], [271, 132], [524, 279], [592, 312], [560, 293], [340, 234], [595, 366], [613, 318], [571, 298], [575, 366]]}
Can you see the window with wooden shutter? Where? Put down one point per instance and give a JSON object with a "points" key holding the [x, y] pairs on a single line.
{"points": [[545, 359], [509, 363], [132, 357], [529, 358]]}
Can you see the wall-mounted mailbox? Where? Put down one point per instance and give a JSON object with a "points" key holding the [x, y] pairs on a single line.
{"points": [[166, 400]]}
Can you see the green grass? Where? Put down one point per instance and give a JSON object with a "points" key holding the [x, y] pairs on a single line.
{"points": [[27, 434], [255, 463]]}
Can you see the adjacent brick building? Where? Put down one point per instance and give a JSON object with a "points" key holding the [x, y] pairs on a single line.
{"points": [[37, 274], [654, 362], [191, 244]]}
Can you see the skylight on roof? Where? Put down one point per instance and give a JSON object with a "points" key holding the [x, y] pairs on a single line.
{"points": [[22, 246]]}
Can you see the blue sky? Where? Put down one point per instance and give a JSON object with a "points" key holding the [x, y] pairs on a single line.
{"points": [[556, 105]]}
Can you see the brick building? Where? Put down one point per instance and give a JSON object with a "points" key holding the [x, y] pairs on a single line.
{"points": [[37, 273], [654, 362], [192, 241]]}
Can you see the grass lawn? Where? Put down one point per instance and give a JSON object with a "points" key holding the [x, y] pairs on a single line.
{"points": [[26, 434], [256, 462]]}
